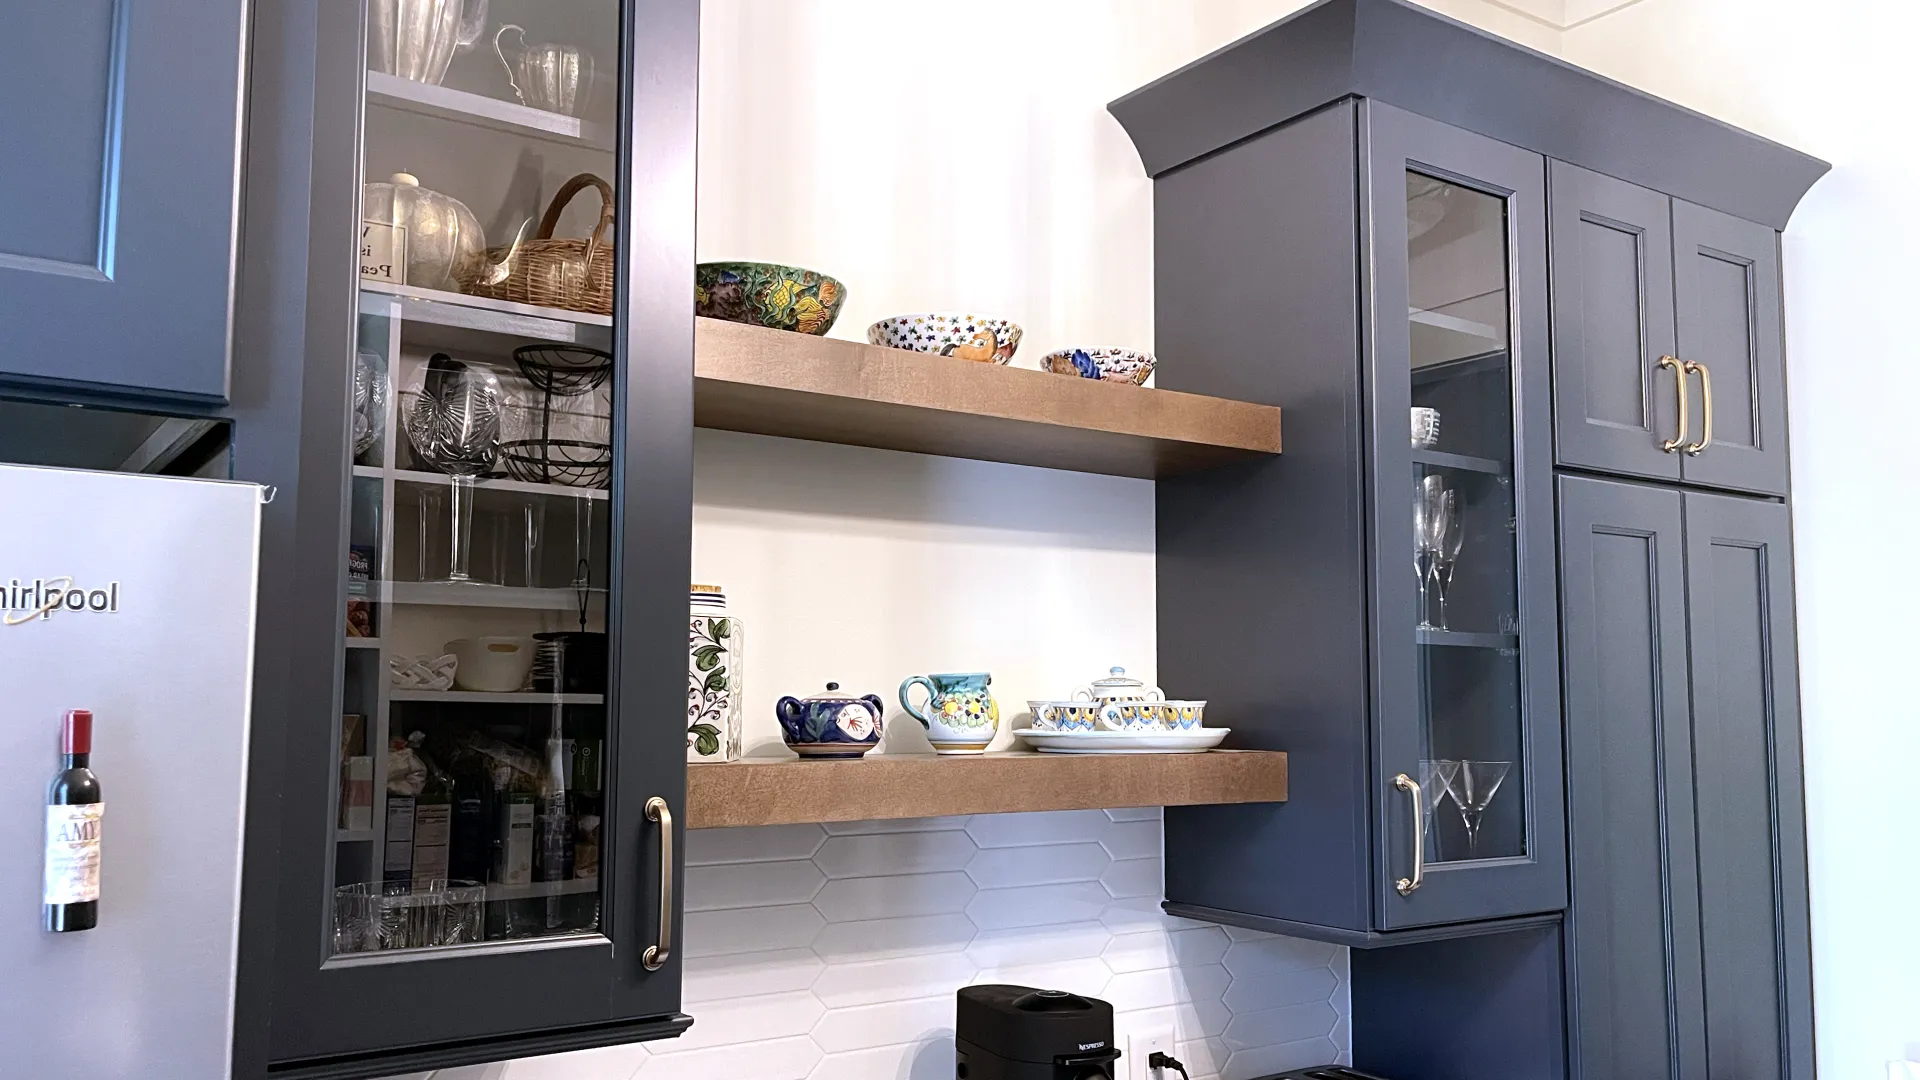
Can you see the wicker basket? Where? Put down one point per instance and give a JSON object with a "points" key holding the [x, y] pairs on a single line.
{"points": [[572, 274]]}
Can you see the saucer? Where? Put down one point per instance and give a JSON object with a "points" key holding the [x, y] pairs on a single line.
{"points": [[1123, 742]]}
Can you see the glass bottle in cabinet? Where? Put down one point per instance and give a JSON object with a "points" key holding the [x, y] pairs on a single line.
{"points": [[515, 476]]}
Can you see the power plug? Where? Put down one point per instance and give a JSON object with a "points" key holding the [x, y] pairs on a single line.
{"points": [[1144, 1044]]}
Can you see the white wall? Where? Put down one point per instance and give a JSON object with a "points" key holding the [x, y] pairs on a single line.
{"points": [[1836, 78]]}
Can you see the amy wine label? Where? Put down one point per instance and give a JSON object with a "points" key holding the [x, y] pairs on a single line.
{"points": [[23, 600], [73, 853]]}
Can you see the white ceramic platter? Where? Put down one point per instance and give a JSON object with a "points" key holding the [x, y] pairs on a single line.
{"points": [[1124, 742]]}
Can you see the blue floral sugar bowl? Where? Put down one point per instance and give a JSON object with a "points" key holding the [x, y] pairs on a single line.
{"points": [[830, 724]]}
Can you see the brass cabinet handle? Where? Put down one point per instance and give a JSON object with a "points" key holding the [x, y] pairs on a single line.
{"points": [[656, 955], [1680, 382], [1409, 785], [1706, 405]]}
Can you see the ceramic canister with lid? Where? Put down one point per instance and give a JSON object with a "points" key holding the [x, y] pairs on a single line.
{"points": [[713, 676]]}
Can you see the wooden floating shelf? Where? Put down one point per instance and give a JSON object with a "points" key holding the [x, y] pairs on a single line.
{"points": [[478, 110], [772, 382], [797, 386], [789, 791]]}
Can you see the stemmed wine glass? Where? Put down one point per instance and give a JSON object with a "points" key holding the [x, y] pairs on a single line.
{"points": [[1473, 790], [1437, 778], [1424, 539], [452, 416], [1450, 533]]}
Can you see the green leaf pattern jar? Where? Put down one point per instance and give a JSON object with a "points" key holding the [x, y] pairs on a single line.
{"points": [[713, 676]]}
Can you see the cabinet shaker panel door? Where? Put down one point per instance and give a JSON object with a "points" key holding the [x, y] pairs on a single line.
{"points": [[120, 178], [1748, 796], [1727, 303], [1614, 405], [1634, 929]]}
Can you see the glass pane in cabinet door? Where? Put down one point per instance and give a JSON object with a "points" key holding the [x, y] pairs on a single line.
{"points": [[1464, 559], [472, 776]]}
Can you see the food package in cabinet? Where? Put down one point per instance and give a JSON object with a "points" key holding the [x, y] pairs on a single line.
{"points": [[360, 591]]}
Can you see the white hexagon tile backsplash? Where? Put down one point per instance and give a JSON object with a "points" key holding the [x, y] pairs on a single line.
{"points": [[832, 953]]}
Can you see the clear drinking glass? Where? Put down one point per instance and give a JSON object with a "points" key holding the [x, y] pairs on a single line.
{"points": [[1450, 532], [1436, 786], [452, 416], [395, 915]]}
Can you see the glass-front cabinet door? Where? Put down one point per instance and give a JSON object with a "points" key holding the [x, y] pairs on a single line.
{"points": [[1469, 788], [516, 465]]}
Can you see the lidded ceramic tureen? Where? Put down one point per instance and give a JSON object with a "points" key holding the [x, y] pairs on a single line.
{"points": [[1117, 686], [830, 724], [441, 233]]}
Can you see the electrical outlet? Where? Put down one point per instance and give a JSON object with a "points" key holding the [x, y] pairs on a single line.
{"points": [[1140, 1044]]}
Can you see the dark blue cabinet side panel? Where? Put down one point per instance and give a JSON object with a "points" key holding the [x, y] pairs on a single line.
{"points": [[1260, 566], [1478, 1008], [1633, 930], [119, 164]]}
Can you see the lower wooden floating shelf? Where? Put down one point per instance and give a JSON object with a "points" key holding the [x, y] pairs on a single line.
{"points": [[789, 791]]}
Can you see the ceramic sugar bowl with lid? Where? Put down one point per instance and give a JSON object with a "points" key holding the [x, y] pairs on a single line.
{"points": [[832, 724], [1117, 686]]}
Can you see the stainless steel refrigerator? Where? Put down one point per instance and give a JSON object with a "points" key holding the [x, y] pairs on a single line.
{"points": [[131, 596]]}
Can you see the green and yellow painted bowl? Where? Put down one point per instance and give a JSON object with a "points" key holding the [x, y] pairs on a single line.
{"points": [[768, 294]]}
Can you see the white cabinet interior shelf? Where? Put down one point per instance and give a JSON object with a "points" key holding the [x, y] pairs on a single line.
{"points": [[1439, 339], [511, 117], [478, 697], [474, 594]]}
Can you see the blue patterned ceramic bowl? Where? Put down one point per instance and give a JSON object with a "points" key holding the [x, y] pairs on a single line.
{"points": [[1100, 362]]}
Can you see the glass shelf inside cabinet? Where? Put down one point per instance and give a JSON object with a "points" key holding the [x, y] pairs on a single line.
{"points": [[472, 761], [1464, 551]]}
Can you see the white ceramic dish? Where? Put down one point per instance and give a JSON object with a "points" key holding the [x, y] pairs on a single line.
{"points": [[986, 338], [496, 665], [1124, 742]]}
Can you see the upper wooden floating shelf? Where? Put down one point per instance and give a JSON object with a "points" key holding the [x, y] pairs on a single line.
{"points": [[790, 791], [771, 382], [481, 111]]}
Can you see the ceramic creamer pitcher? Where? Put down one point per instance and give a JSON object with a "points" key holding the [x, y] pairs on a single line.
{"points": [[959, 714]]}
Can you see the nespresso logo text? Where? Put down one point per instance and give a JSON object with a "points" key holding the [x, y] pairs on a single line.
{"points": [[1093, 1045], [24, 601]]}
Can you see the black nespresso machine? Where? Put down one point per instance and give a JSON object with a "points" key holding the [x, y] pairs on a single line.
{"points": [[1020, 1033]]}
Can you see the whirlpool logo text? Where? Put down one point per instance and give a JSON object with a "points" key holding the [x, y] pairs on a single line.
{"points": [[42, 598]]}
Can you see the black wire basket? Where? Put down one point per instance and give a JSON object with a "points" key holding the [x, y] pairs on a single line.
{"points": [[564, 370], [570, 462], [560, 439]]}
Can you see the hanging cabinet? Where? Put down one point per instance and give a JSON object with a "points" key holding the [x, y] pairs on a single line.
{"points": [[1368, 214], [477, 871]]}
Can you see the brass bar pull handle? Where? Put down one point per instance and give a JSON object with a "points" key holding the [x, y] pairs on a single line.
{"points": [[1410, 786], [1706, 405], [1680, 382], [656, 955]]}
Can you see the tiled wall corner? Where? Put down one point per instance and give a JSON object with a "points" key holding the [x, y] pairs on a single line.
{"points": [[832, 953]]}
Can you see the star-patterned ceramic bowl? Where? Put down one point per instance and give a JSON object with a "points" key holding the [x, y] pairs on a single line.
{"points": [[1100, 362], [984, 338]]}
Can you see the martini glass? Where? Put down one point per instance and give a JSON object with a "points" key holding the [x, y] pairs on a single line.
{"points": [[1473, 790], [1436, 783]]}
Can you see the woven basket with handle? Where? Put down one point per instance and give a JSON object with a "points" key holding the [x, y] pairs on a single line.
{"points": [[572, 274]]}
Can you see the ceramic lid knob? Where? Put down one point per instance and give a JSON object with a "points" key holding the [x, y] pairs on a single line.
{"points": [[406, 179]]}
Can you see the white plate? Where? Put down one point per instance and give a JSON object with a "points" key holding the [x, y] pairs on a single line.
{"points": [[1124, 742]]}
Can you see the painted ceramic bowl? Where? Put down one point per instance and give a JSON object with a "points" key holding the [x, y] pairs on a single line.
{"points": [[968, 337], [1064, 715], [1100, 362], [768, 294]]}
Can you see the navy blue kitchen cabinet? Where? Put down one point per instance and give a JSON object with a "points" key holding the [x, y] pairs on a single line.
{"points": [[121, 181]]}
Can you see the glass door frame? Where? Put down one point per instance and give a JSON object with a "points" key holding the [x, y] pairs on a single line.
{"points": [[1394, 142], [350, 1016]]}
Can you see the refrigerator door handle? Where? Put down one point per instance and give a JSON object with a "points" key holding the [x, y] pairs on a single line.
{"points": [[656, 955]]}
